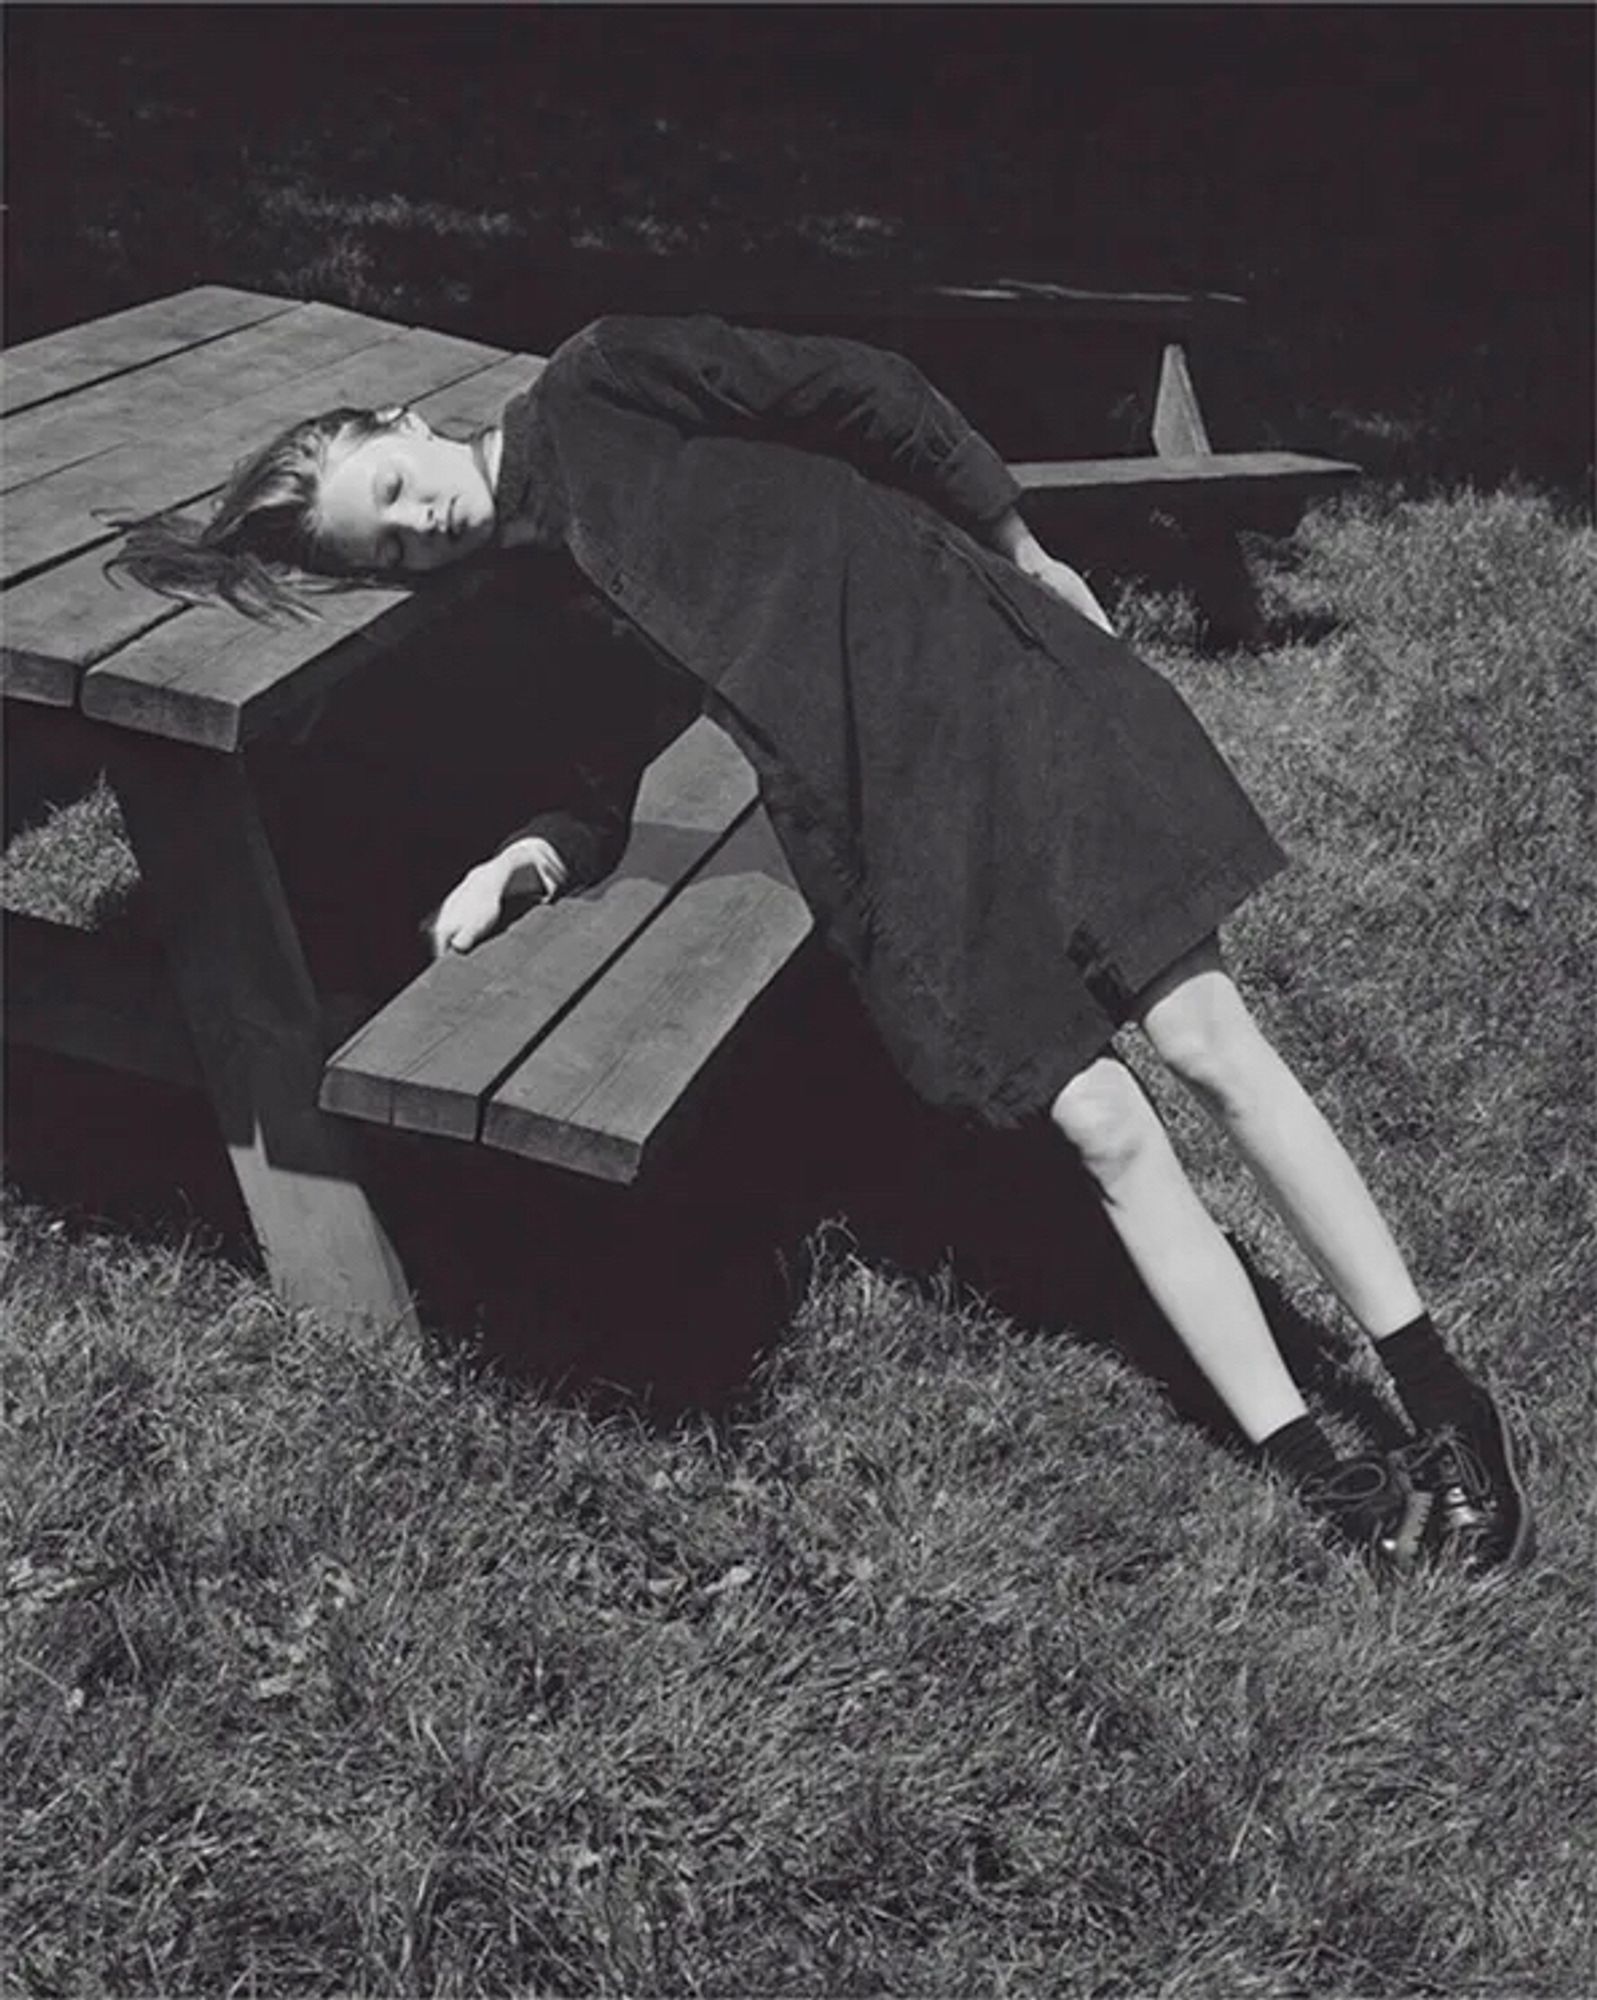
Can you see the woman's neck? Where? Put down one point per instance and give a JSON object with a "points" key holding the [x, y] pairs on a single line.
{"points": [[493, 451]]}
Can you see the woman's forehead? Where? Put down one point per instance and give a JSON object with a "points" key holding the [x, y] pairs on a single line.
{"points": [[353, 460], [344, 498]]}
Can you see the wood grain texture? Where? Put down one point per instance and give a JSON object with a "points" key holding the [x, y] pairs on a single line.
{"points": [[1216, 472], [256, 1027], [216, 678], [57, 516], [597, 1091], [57, 363], [429, 1060], [58, 623], [171, 392]]}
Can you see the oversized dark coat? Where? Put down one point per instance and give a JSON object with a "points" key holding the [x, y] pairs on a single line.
{"points": [[1004, 822]]}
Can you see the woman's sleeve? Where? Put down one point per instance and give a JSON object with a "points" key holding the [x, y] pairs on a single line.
{"points": [[841, 397], [589, 826], [630, 708]]}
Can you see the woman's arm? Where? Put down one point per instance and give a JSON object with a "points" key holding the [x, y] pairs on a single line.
{"points": [[555, 853], [634, 708], [841, 397]]}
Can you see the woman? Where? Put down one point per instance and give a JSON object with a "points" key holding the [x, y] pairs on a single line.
{"points": [[1014, 833]]}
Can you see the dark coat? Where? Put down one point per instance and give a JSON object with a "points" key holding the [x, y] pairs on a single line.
{"points": [[1004, 822]]}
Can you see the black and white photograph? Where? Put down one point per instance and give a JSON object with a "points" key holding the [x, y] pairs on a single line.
{"points": [[799, 937]]}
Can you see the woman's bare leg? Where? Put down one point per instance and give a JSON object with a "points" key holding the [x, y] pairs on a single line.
{"points": [[1179, 1251], [1201, 1028]]}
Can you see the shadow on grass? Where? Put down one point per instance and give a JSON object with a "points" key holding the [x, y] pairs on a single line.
{"points": [[663, 1297]]}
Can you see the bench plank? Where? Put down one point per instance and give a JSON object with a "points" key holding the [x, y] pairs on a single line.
{"points": [[220, 680], [57, 363], [641, 283], [431, 1057], [64, 512], [1025, 298], [173, 390], [1216, 471], [596, 1091]]}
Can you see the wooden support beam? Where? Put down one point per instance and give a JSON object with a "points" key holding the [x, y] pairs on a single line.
{"points": [[97, 996], [256, 1027], [1226, 598]]}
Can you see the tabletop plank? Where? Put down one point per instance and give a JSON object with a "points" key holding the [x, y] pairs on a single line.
{"points": [[57, 363], [175, 389], [596, 1090], [218, 679], [428, 1061], [60, 622], [65, 512]]}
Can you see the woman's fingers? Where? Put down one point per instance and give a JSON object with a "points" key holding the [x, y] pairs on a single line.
{"points": [[1065, 584], [468, 913]]}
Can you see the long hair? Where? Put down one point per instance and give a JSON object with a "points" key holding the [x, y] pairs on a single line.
{"points": [[258, 551]]}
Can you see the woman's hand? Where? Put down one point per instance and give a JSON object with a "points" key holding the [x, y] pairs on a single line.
{"points": [[470, 910], [1023, 549], [476, 904]]}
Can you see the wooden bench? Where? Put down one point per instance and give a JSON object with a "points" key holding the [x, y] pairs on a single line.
{"points": [[1212, 494], [573, 1036]]}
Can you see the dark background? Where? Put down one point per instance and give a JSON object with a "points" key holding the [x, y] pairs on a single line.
{"points": [[1405, 193]]}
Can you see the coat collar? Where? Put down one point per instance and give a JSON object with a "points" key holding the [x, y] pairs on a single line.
{"points": [[528, 488]]}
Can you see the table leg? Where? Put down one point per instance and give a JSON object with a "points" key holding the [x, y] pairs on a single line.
{"points": [[1221, 584], [253, 1016]]}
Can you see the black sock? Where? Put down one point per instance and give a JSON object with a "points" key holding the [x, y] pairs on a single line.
{"points": [[1301, 1450], [1433, 1388]]}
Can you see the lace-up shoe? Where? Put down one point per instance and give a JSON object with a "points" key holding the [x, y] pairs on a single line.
{"points": [[1471, 1467], [1374, 1506]]}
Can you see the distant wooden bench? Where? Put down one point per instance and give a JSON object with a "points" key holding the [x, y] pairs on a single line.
{"points": [[1212, 493]]}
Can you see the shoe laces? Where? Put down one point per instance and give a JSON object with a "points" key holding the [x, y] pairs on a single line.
{"points": [[1453, 1465], [1374, 1504], [1354, 1484]]}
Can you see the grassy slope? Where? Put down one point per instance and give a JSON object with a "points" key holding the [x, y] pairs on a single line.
{"points": [[956, 1664]]}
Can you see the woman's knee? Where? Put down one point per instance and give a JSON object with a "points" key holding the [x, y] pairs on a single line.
{"points": [[1105, 1116], [1201, 1029]]}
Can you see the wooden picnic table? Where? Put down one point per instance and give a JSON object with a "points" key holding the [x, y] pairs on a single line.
{"points": [[149, 409], [573, 1035]]}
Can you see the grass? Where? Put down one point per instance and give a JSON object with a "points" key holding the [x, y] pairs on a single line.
{"points": [[945, 1658]]}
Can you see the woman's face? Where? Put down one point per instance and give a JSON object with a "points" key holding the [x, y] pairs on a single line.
{"points": [[405, 500]]}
